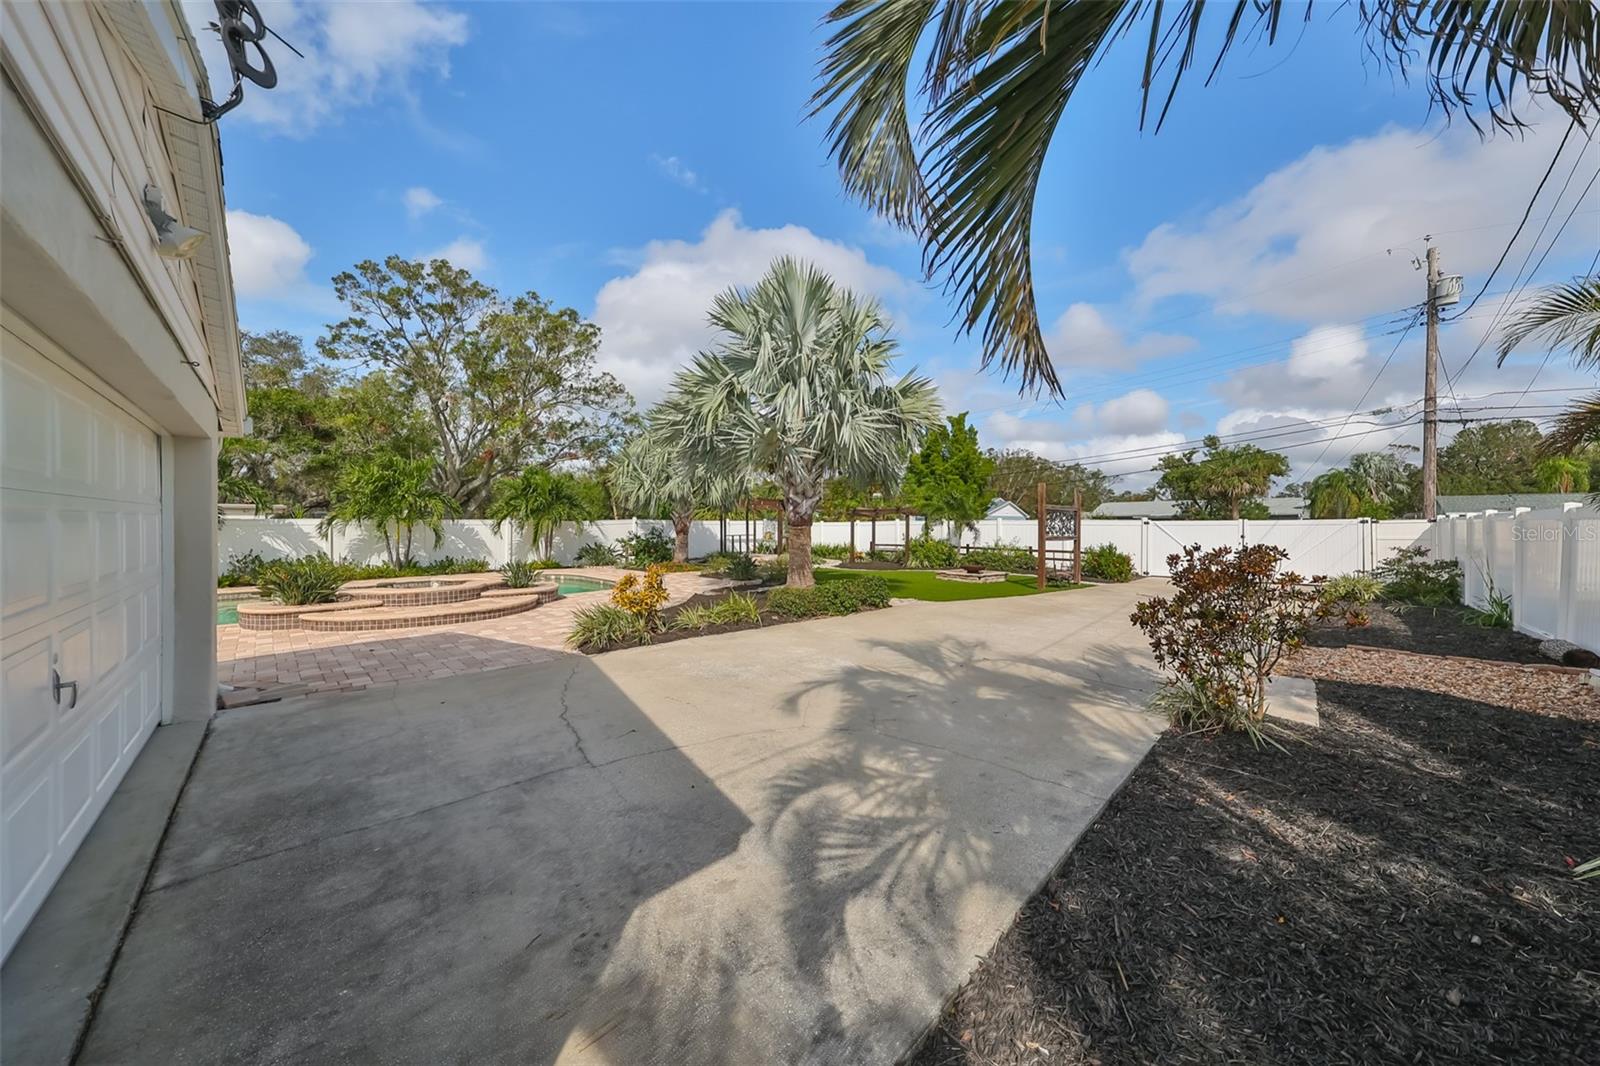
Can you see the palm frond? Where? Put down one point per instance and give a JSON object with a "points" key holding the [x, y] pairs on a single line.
{"points": [[1575, 427], [1562, 318], [999, 75]]}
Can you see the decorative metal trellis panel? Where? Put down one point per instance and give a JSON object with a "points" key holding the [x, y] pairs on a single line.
{"points": [[1060, 523]]}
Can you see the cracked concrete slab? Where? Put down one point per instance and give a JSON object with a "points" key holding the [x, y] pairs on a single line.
{"points": [[776, 846]]}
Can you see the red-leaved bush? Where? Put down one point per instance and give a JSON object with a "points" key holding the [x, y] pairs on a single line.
{"points": [[1231, 617]]}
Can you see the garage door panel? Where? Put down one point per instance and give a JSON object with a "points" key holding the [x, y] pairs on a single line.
{"points": [[76, 780], [74, 465], [80, 489], [26, 716], [24, 541], [108, 545], [25, 401], [110, 641], [74, 558], [25, 834]]}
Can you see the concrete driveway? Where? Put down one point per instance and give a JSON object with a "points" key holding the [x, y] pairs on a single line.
{"points": [[781, 846]]}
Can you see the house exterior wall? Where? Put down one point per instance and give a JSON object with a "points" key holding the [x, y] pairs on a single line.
{"points": [[80, 137]]}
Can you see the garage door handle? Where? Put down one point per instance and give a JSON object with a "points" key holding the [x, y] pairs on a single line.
{"points": [[56, 685]]}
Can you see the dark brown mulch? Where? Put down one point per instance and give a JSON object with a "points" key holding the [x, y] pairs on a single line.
{"points": [[1434, 630], [1392, 889], [872, 564]]}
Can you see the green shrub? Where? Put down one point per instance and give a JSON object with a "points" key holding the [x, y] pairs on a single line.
{"points": [[449, 564], [929, 554], [1350, 590], [641, 549], [1230, 619], [694, 616], [520, 574], [241, 570], [598, 553], [1495, 616], [1409, 577], [742, 568], [605, 626], [736, 608], [1107, 562], [794, 603], [312, 579], [830, 551], [833, 597], [1010, 558]]}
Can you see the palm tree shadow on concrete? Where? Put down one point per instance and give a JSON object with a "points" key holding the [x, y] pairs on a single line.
{"points": [[883, 859]]}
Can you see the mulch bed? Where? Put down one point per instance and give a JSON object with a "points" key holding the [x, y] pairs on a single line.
{"points": [[1437, 630], [871, 564], [1393, 888]]}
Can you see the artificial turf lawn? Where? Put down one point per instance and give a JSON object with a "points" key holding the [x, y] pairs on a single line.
{"points": [[923, 585]]}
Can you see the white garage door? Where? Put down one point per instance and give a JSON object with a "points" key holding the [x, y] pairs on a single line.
{"points": [[80, 537]]}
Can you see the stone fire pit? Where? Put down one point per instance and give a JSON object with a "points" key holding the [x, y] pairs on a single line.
{"points": [[982, 577]]}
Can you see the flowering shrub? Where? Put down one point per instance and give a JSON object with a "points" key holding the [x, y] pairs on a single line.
{"points": [[1232, 616], [642, 598]]}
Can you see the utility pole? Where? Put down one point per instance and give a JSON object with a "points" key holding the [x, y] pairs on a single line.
{"points": [[1430, 395]]}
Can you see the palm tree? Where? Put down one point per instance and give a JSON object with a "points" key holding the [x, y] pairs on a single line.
{"points": [[657, 472], [999, 74], [1564, 317], [798, 389], [535, 502], [1334, 496], [1561, 473], [394, 494]]}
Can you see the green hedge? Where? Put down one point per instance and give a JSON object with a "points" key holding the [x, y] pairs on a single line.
{"points": [[835, 597]]}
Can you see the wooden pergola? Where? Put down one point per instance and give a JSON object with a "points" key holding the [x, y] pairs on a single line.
{"points": [[876, 514], [753, 506]]}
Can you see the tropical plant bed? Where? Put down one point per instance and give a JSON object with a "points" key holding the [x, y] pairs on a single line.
{"points": [[1395, 886], [670, 634], [927, 585]]}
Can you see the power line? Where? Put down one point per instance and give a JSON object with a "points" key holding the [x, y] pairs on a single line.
{"points": [[1373, 383]]}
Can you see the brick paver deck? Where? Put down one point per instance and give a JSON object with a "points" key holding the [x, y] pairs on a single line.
{"points": [[326, 662]]}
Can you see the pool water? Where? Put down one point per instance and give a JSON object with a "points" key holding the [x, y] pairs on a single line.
{"points": [[228, 612], [567, 584]]}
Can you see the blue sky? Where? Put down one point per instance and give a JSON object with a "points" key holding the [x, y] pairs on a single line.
{"points": [[1244, 271]]}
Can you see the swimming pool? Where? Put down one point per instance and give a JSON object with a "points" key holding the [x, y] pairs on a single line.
{"points": [[568, 584], [228, 610]]}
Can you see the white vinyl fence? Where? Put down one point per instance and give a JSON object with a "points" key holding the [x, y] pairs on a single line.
{"points": [[1325, 547], [1546, 562]]}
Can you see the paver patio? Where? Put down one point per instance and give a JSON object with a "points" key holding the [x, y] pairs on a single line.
{"points": [[785, 845], [329, 662]]}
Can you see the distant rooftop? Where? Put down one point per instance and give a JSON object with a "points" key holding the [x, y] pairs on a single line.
{"points": [[1507, 501], [1277, 507]]}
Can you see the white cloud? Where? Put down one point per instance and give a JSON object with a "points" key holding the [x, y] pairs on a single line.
{"points": [[654, 319], [1309, 240], [1082, 336], [420, 200], [1139, 411], [268, 257], [465, 253], [355, 54], [678, 171]]}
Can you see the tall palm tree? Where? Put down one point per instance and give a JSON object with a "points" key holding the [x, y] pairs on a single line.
{"points": [[798, 389], [656, 471], [394, 494], [999, 74], [1564, 318], [535, 502]]}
